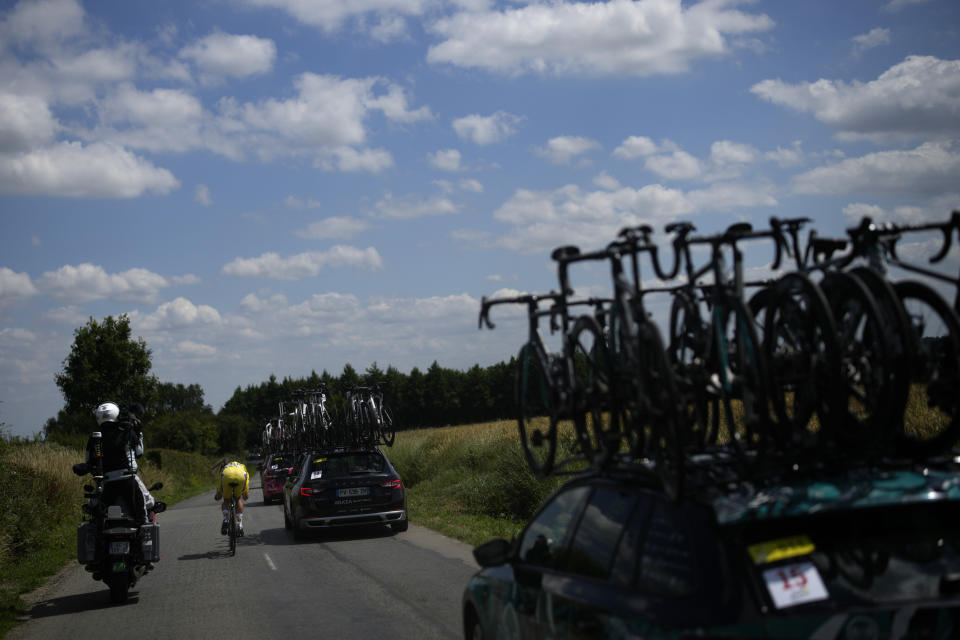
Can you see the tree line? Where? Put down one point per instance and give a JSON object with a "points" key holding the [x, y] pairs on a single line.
{"points": [[106, 363]]}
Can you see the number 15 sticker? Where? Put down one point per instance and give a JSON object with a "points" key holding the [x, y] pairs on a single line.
{"points": [[793, 584]]}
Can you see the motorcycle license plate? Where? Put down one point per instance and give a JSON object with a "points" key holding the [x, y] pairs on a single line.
{"points": [[352, 492], [120, 547]]}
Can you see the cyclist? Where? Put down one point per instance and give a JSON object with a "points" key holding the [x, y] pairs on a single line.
{"points": [[233, 472]]}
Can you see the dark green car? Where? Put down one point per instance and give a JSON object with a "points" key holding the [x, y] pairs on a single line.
{"points": [[870, 553]]}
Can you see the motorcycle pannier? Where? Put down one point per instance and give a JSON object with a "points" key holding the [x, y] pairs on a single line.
{"points": [[150, 542]]}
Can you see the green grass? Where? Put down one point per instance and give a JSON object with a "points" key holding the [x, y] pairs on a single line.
{"points": [[470, 482]]}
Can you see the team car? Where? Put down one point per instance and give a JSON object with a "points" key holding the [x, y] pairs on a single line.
{"points": [[273, 475], [867, 553], [344, 487]]}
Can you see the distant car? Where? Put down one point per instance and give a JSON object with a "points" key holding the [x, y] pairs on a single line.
{"points": [[867, 554], [273, 475], [344, 487]]}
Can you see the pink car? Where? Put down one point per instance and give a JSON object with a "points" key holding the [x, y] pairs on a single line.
{"points": [[273, 475]]}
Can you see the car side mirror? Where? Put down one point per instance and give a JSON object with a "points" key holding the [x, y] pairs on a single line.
{"points": [[156, 486], [493, 553]]}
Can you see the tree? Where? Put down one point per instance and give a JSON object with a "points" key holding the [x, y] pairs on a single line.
{"points": [[174, 398], [104, 364]]}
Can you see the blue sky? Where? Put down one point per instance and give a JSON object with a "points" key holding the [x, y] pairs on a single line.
{"points": [[280, 186]]}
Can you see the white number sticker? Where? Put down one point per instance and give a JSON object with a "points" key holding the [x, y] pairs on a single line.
{"points": [[793, 584], [316, 474]]}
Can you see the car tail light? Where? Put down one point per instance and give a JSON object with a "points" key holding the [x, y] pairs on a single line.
{"points": [[392, 484], [306, 492]]}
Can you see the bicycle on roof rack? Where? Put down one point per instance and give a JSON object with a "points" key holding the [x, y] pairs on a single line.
{"points": [[369, 416]]}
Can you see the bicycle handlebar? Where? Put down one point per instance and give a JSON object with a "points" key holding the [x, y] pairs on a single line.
{"points": [[532, 301]]}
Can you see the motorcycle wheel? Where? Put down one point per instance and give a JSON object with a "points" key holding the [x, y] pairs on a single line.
{"points": [[119, 587]]}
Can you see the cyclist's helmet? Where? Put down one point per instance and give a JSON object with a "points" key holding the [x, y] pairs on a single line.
{"points": [[106, 412]]}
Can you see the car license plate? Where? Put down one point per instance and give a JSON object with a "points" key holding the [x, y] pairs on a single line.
{"points": [[119, 547], [351, 492]]}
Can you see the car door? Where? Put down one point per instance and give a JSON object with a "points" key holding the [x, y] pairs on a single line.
{"points": [[538, 550], [577, 599]]}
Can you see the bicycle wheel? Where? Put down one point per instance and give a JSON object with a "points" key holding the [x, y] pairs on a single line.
{"points": [[802, 354], [865, 379], [932, 419], [387, 432], [596, 415], [232, 529], [738, 382], [536, 409], [660, 409], [687, 354], [896, 328]]}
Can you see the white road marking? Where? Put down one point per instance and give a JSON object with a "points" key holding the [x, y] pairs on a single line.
{"points": [[273, 567]]}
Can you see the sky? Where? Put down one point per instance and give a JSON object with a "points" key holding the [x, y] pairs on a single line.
{"points": [[285, 186]]}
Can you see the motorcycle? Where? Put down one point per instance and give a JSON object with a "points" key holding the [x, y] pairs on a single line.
{"points": [[118, 540]]}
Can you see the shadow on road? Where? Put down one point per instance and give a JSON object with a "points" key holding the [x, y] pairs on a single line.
{"points": [[224, 552], [76, 603], [282, 537]]}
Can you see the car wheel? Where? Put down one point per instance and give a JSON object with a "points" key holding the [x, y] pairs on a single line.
{"points": [[401, 526], [298, 533], [471, 626]]}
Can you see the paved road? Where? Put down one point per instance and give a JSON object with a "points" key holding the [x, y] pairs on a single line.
{"points": [[352, 584]]}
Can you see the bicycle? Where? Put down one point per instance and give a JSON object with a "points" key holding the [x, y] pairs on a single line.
{"points": [[720, 362], [629, 379], [547, 387], [232, 528]]}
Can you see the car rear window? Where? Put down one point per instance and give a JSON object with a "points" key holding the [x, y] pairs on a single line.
{"points": [[888, 555], [281, 462], [340, 465]]}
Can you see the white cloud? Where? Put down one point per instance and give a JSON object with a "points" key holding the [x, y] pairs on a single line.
{"points": [[222, 55], [350, 159], [86, 282], [445, 159], [202, 195], [616, 37], [330, 15], [469, 184], [334, 227], [74, 170], [177, 314], [15, 285], [915, 98], [302, 265], [927, 171], [542, 220], [413, 206], [45, 23], [395, 107], [726, 152], [562, 149], [485, 130], [635, 147], [729, 196], [25, 122], [252, 302], [190, 349], [787, 157], [70, 315], [874, 38], [897, 5], [606, 181], [678, 165]]}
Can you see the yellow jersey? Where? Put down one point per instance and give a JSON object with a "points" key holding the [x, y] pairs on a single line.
{"points": [[234, 472]]}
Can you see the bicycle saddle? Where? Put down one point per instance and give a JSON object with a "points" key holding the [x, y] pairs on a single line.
{"points": [[739, 228], [680, 227]]}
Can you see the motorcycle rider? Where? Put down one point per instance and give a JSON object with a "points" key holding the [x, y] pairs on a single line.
{"points": [[121, 444]]}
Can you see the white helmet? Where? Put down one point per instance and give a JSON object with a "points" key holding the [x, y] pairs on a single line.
{"points": [[107, 412]]}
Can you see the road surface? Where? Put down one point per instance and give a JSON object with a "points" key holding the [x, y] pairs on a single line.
{"points": [[347, 584]]}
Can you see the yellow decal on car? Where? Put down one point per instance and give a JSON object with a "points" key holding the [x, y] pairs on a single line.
{"points": [[319, 460], [781, 549]]}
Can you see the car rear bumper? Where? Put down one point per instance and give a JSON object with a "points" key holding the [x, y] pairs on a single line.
{"points": [[353, 519]]}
